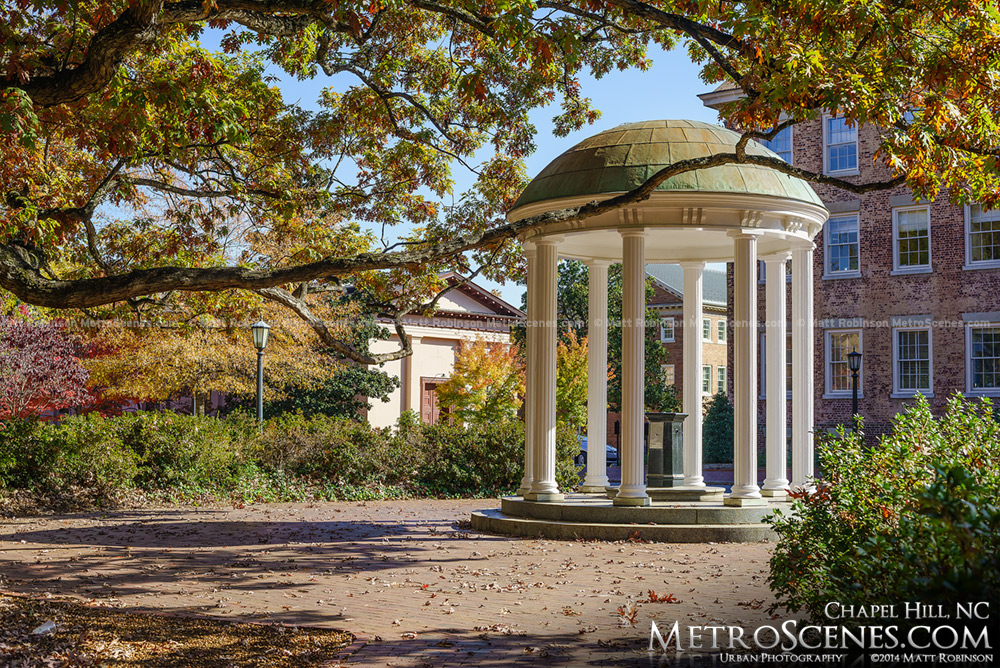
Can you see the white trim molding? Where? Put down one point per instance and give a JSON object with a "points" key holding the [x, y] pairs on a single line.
{"points": [[828, 392], [897, 268], [915, 324], [969, 262], [828, 274], [663, 336], [972, 323], [852, 171]]}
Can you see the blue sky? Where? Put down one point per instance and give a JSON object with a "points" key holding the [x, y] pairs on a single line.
{"points": [[668, 90]]}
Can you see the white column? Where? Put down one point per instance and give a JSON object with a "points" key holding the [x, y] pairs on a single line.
{"points": [[597, 378], [745, 489], [803, 371], [692, 350], [633, 488], [543, 487], [413, 390], [529, 378], [776, 482]]}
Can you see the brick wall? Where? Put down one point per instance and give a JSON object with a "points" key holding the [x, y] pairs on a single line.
{"points": [[877, 295], [714, 353]]}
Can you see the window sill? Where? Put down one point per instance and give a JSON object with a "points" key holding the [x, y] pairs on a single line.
{"points": [[841, 274], [906, 271], [984, 393], [843, 172], [667, 341], [911, 395], [981, 265], [842, 395]]}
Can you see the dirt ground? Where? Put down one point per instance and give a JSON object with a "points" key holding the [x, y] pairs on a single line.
{"points": [[408, 578]]}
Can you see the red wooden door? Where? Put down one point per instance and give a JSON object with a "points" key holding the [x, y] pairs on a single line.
{"points": [[429, 411]]}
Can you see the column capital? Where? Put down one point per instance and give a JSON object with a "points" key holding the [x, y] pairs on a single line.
{"points": [[594, 262], [551, 240], [633, 232], [744, 234], [777, 256], [692, 264], [804, 246], [529, 248]]}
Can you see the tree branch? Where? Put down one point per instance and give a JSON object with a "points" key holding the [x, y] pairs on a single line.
{"points": [[300, 308], [19, 264]]}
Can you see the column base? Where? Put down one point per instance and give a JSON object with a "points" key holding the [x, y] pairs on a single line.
{"points": [[775, 493], [522, 491], [544, 496], [694, 481], [593, 489], [743, 502], [620, 500]]}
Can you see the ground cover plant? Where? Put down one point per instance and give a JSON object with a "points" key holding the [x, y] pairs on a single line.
{"points": [[93, 460], [913, 517]]}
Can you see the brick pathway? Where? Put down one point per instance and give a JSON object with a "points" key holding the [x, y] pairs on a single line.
{"points": [[422, 590]]}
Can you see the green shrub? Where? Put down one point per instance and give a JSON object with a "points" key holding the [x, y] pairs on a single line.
{"points": [[292, 457], [475, 459], [913, 518], [717, 431], [567, 448], [91, 455], [26, 456]]}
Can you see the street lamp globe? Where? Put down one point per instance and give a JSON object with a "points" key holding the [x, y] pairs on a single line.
{"points": [[854, 360], [260, 330]]}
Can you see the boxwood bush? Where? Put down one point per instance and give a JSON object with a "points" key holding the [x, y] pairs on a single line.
{"points": [[913, 517]]}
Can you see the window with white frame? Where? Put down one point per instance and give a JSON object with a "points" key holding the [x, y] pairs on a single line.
{"points": [[668, 374], [983, 236], [706, 329], [840, 142], [781, 144], [911, 353], [838, 374], [666, 329], [843, 246], [722, 331], [706, 379], [720, 380], [983, 350], [911, 235]]}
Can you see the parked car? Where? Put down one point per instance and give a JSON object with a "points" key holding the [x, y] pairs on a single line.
{"points": [[610, 451]]}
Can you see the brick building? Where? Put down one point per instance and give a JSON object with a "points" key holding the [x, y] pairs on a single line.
{"points": [[668, 301], [912, 285]]}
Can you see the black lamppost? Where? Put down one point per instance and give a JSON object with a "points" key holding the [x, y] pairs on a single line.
{"points": [[854, 364], [260, 330]]}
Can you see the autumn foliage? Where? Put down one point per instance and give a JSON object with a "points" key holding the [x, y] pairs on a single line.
{"points": [[39, 369], [486, 384]]}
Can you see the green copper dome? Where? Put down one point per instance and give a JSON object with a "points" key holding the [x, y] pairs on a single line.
{"points": [[622, 158]]}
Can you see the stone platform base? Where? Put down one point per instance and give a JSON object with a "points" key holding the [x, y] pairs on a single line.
{"points": [[681, 493], [593, 517], [674, 494]]}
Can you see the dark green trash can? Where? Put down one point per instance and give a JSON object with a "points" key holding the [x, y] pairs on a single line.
{"points": [[665, 463]]}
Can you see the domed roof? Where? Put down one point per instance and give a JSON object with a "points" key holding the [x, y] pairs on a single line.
{"points": [[622, 158]]}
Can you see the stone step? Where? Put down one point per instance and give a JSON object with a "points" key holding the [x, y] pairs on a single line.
{"points": [[597, 510], [495, 521]]}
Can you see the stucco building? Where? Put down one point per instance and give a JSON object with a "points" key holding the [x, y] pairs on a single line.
{"points": [[466, 314], [914, 286]]}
